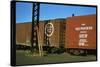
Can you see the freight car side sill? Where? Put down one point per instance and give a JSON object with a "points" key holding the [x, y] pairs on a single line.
{"points": [[82, 52]]}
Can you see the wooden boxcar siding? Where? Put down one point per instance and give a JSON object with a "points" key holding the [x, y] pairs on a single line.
{"points": [[23, 33], [55, 39]]}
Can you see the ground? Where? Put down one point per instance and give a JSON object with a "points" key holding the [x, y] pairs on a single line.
{"points": [[23, 57]]}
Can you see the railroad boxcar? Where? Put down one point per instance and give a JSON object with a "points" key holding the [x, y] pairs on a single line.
{"points": [[23, 33], [81, 34], [77, 34]]}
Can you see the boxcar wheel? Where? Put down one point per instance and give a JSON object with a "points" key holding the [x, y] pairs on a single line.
{"points": [[76, 52]]}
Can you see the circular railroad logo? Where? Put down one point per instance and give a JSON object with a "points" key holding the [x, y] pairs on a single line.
{"points": [[49, 29]]}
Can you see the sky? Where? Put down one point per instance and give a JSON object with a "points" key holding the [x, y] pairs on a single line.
{"points": [[50, 11]]}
